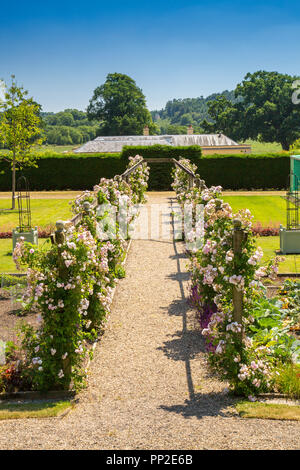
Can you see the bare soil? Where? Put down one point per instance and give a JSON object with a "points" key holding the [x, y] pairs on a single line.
{"points": [[11, 317]]}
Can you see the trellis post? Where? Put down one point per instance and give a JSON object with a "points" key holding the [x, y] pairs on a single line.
{"points": [[238, 235], [86, 208], [59, 239]]}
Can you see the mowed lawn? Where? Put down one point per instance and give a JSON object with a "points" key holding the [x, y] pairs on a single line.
{"points": [[270, 247], [268, 210], [7, 264], [263, 147], [44, 213]]}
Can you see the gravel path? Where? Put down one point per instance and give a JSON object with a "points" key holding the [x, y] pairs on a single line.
{"points": [[149, 387]]}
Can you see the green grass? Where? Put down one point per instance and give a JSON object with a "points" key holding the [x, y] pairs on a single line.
{"points": [[269, 246], [263, 147], [268, 210], [288, 380], [49, 148], [44, 213], [47, 409], [7, 264], [247, 409], [58, 148]]}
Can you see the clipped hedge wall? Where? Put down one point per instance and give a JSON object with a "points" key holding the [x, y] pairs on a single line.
{"points": [[246, 171], [82, 171], [66, 171], [192, 152]]}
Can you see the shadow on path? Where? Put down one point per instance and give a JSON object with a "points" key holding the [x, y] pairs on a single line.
{"points": [[184, 346], [204, 404], [180, 347]]}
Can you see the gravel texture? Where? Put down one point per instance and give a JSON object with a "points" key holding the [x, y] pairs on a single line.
{"points": [[149, 385]]}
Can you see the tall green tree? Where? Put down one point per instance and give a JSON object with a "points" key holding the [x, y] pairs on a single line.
{"points": [[265, 112], [20, 129], [120, 106]]}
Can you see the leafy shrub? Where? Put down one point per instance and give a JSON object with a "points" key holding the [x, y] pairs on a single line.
{"points": [[8, 280], [245, 353], [71, 284], [288, 380]]}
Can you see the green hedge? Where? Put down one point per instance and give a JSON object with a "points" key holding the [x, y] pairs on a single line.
{"points": [[246, 171], [66, 171], [192, 152], [83, 171]]}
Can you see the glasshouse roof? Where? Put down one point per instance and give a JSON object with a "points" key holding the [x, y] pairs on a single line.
{"points": [[114, 144]]}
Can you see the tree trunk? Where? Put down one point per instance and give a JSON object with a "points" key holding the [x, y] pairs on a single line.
{"points": [[13, 202], [285, 145]]}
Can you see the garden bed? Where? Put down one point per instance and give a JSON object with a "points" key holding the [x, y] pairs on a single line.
{"points": [[10, 316], [11, 312]]}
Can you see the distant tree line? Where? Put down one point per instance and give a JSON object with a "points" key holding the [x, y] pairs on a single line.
{"points": [[260, 108], [68, 127], [266, 111], [180, 113]]}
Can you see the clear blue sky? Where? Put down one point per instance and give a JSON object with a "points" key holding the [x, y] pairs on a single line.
{"points": [[61, 50]]}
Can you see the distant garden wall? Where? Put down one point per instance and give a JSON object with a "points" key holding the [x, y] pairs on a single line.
{"points": [[80, 171]]}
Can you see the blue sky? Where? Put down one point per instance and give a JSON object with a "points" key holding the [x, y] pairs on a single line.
{"points": [[61, 50]]}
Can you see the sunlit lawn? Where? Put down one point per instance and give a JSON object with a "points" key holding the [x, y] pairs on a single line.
{"points": [[44, 213], [7, 264], [268, 210], [269, 246], [263, 147], [259, 410], [49, 148], [42, 409]]}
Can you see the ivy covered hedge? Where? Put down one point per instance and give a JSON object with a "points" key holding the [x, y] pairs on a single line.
{"points": [[79, 171]]}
